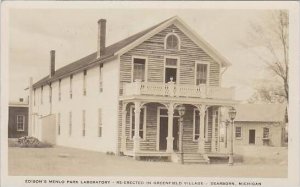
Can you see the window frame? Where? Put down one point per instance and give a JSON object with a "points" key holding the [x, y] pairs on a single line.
{"points": [[59, 90], [235, 132], [146, 67], [71, 87], [178, 38], [263, 136], [168, 66], [83, 123], [22, 122], [100, 123], [208, 72], [58, 124], [131, 110], [84, 82], [101, 78]]}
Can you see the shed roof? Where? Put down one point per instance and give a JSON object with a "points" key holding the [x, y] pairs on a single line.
{"points": [[260, 112]]}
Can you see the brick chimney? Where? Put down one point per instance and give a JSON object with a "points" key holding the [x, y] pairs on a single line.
{"points": [[52, 63], [101, 37]]}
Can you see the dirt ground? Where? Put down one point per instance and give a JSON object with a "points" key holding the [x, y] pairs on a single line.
{"points": [[62, 161]]}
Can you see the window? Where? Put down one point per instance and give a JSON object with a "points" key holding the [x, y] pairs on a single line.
{"points": [[139, 69], [20, 122], [171, 65], [238, 132], [71, 82], [58, 123], [50, 93], [34, 97], [101, 78], [99, 122], [83, 123], [142, 126], [59, 89], [84, 82], [70, 123], [266, 132], [196, 125], [42, 88], [172, 42], [201, 73]]}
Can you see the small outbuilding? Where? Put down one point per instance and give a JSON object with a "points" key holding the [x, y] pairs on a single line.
{"points": [[260, 124]]}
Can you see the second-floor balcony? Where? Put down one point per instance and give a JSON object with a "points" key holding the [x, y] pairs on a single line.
{"points": [[172, 89]]}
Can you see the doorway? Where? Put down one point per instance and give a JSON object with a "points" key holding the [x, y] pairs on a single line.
{"points": [[251, 136], [163, 130]]}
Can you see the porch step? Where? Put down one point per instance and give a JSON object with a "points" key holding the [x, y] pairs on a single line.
{"points": [[194, 158]]}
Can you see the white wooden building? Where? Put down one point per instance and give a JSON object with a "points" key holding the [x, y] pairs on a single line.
{"points": [[120, 98]]}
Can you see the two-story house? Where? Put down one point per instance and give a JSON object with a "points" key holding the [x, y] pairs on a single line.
{"points": [[124, 98]]}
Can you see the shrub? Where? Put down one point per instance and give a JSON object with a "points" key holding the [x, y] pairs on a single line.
{"points": [[32, 142]]}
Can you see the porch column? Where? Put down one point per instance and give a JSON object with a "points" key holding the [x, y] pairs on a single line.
{"points": [[201, 140], [136, 138], [213, 139], [170, 137], [123, 140]]}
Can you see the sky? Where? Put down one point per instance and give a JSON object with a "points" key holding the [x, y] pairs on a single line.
{"points": [[73, 34]]}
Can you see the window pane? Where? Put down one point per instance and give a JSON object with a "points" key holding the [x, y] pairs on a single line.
{"points": [[201, 74], [171, 62], [139, 69], [172, 42]]}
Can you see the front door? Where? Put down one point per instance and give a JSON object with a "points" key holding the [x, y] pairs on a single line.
{"points": [[251, 136], [163, 133]]}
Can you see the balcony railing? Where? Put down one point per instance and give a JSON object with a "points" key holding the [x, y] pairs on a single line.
{"points": [[177, 90]]}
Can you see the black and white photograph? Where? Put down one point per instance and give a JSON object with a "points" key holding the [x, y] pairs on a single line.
{"points": [[150, 94]]}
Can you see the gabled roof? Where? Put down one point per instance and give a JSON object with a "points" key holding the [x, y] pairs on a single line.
{"points": [[124, 45], [260, 112]]}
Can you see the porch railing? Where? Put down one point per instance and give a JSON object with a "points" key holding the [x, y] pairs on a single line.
{"points": [[177, 90]]}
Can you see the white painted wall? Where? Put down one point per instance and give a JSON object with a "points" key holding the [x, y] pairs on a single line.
{"points": [[107, 101]]}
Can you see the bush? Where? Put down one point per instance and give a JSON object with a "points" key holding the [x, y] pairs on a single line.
{"points": [[32, 142]]}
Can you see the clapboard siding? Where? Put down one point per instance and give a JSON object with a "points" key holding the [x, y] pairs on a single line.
{"points": [[153, 49]]}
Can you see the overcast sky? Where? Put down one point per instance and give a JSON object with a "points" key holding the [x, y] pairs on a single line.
{"points": [[73, 34]]}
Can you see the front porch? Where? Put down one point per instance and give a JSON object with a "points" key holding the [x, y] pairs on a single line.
{"points": [[148, 132]]}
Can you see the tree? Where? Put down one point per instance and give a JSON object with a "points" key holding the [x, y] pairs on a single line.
{"points": [[269, 40]]}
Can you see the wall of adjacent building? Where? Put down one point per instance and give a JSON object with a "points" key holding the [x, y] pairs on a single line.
{"points": [[12, 122], [107, 101]]}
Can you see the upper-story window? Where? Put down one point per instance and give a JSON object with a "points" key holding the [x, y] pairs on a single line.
{"points": [[202, 70], [139, 69], [84, 82], [101, 78], [42, 88], [59, 89], [238, 132], [172, 42], [71, 82], [34, 97]]}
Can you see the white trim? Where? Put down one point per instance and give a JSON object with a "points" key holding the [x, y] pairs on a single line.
{"points": [[144, 122], [146, 66], [177, 67], [205, 46], [178, 38], [23, 122], [194, 125], [208, 71], [158, 124]]}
